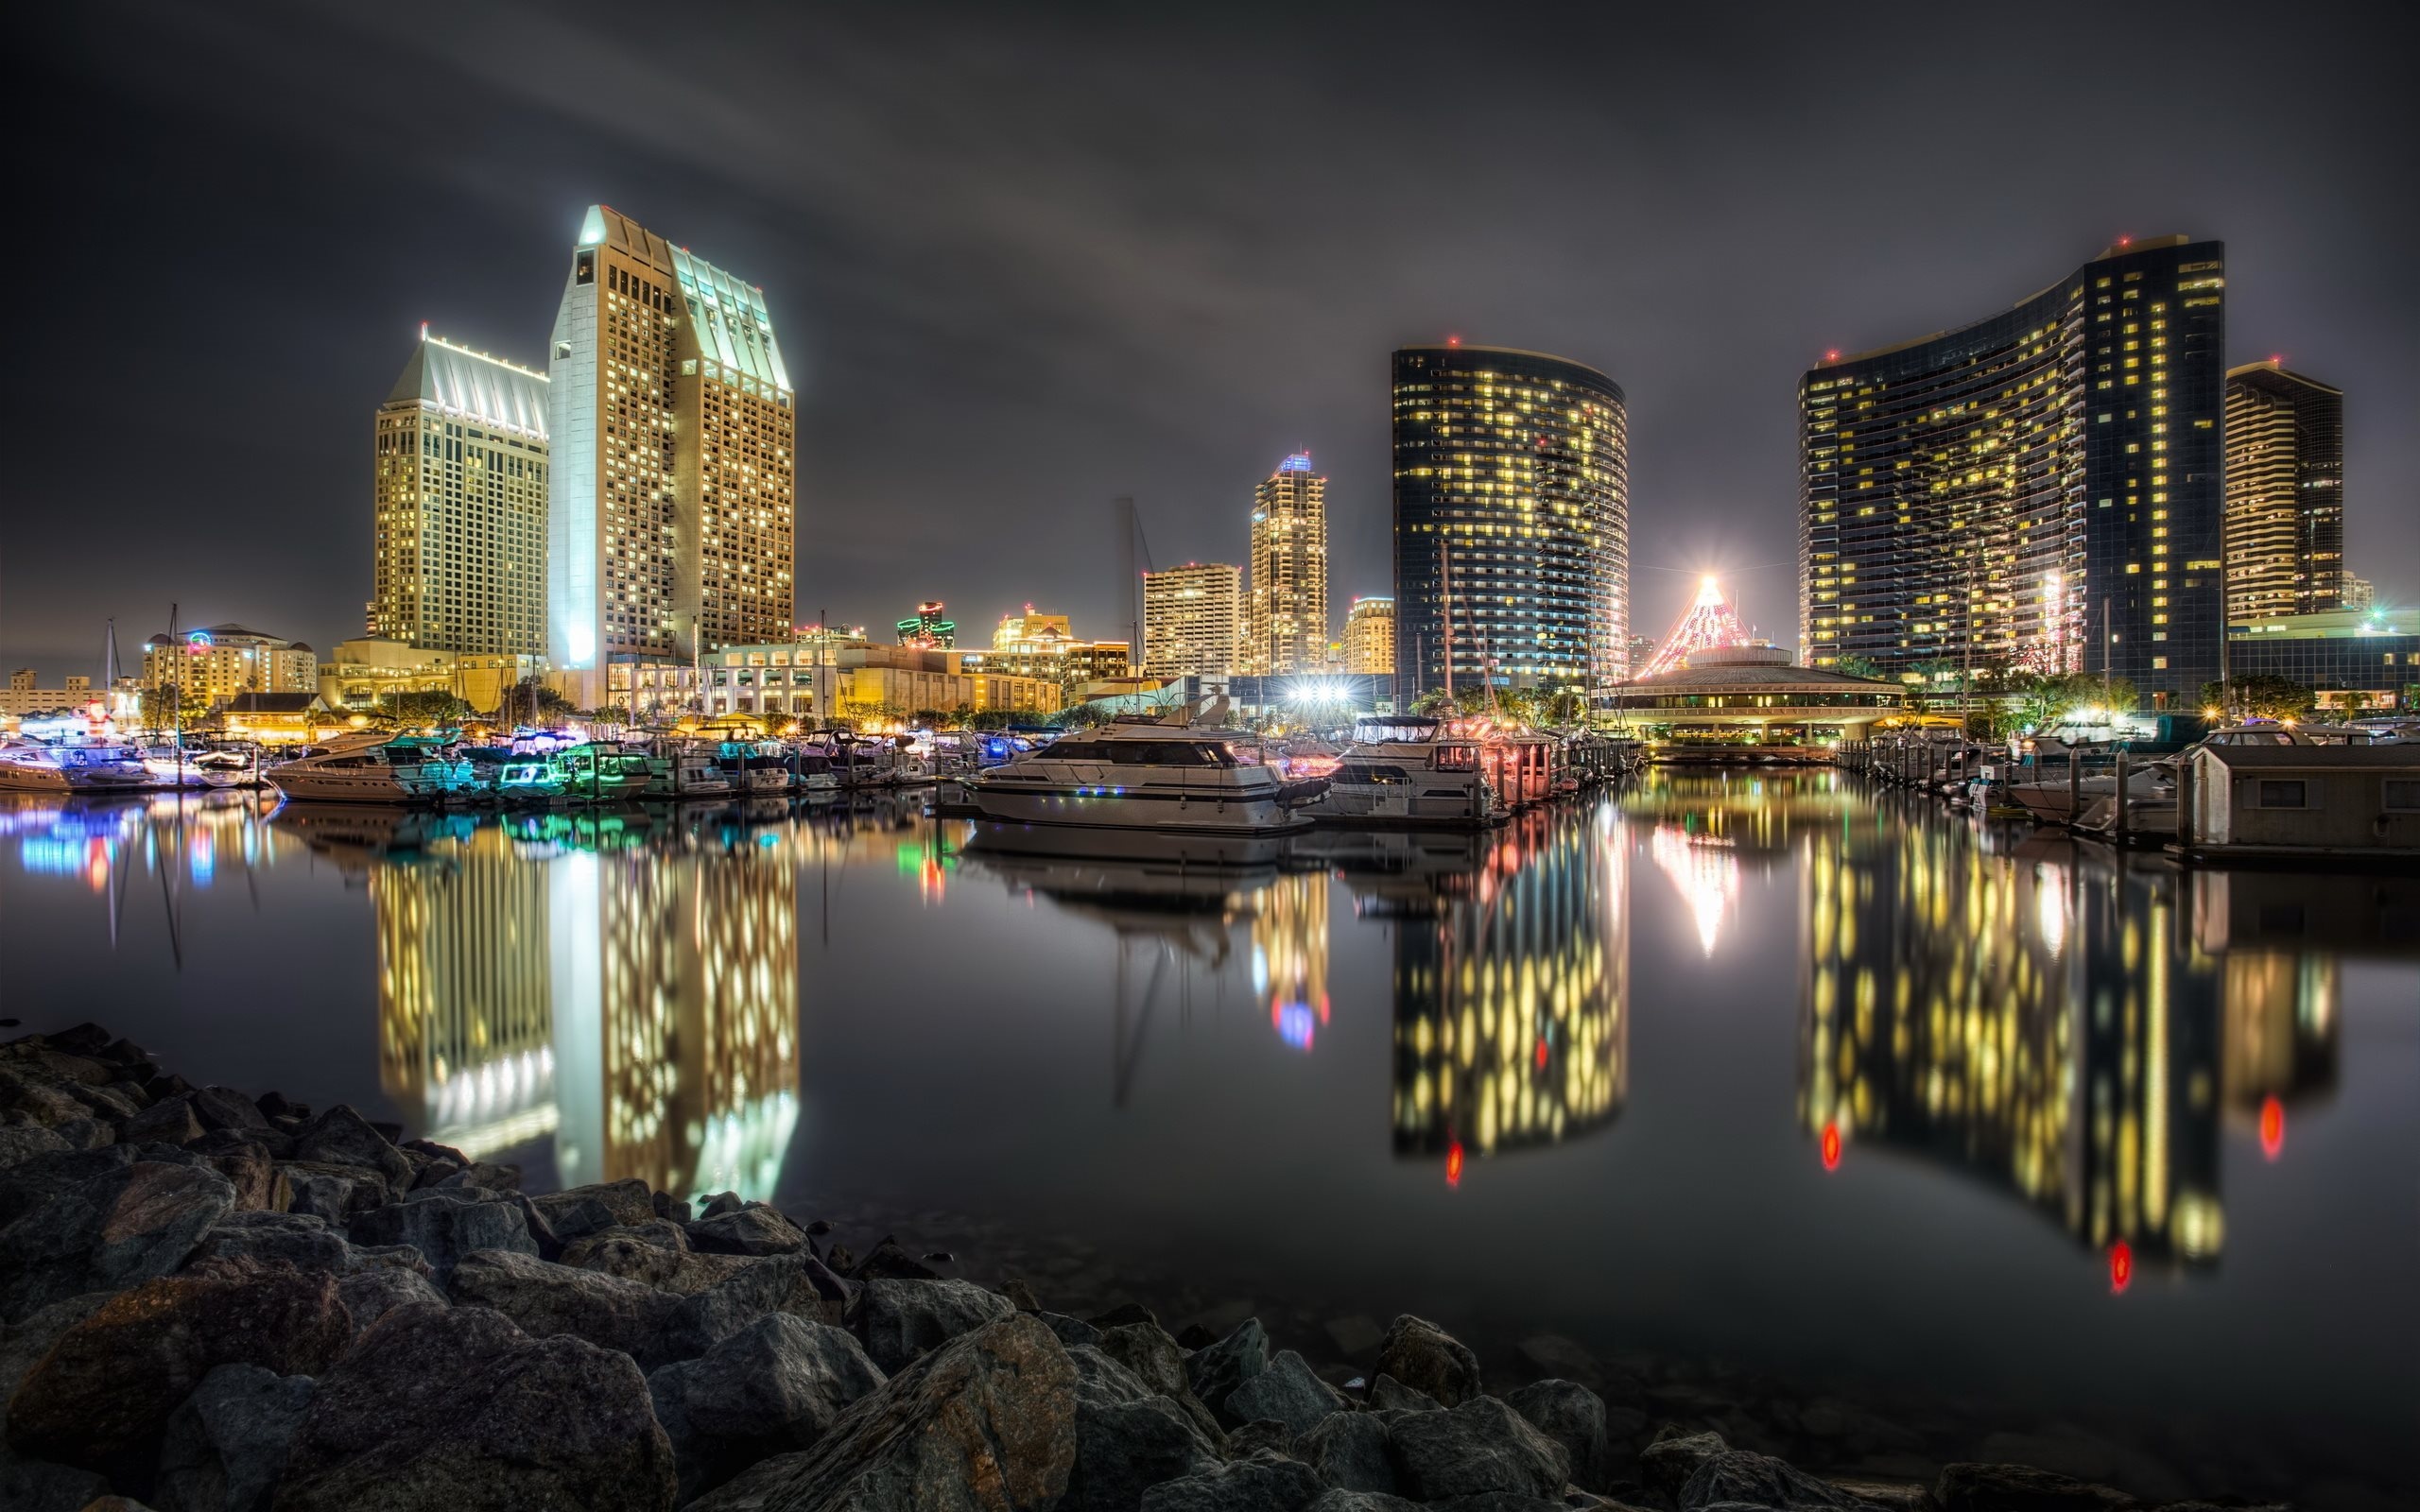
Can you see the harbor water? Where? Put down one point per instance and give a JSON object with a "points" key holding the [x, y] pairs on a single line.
{"points": [[1770, 1070]]}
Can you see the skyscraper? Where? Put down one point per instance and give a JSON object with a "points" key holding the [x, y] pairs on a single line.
{"points": [[1286, 618], [2285, 493], [1192, 619], [1370, 636], [672, 519], [458, 506], [1512, 501], [2039, 489]]}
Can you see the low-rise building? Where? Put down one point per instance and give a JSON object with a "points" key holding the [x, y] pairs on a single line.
{"points": [[828, 679], [213, 665], [358, 674], [1755, 694], [2352, 658], [75, 696], [1046, 646], [280, 718]]}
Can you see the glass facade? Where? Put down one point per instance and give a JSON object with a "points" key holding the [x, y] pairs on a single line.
{"points": [[1512, 500], [2285, 493], [2041, 489]]}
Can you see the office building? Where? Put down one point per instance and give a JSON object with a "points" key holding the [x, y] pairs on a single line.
{"points": [[2285, 493], [1511, 506], [1192, 620], [1046, 646], [25, 695], [671, 517], [2351, 659], [1370, 636], [458, 506], [211, 666], [2040, 490], [1286, 607], [2359, 592], [927, 630]]}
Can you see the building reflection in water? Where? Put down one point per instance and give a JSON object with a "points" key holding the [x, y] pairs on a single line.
{"points": [[1511, 1000], [631, 992], [2046, 1023], [1290, 956]]}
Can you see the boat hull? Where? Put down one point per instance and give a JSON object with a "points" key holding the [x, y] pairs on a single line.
{"points": [[1070, 808]]}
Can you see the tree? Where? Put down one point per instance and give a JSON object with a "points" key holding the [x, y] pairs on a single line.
{"points": [[426, 706], [533, 693], [1859, 666], [2261, 695]]}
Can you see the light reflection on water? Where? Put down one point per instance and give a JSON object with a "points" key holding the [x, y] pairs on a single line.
{"points": [[1764, 1062]]}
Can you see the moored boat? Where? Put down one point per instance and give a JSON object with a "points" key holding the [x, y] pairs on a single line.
{"points": [[1409, 771], [1139, 776], [375, 769]]}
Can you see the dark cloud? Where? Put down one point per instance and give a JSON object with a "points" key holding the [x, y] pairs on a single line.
{"points": [[1025, 258]]}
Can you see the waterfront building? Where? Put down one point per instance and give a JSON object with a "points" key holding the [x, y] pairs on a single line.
{"points": [[1511, 507], [1285, 622], [357, 673], [1370, 636], [213, 665], [2352, 658], [1755, 695], [1046, 646], [2042, 488], [671, 501], [459, 505], [279, 718], [785, 681], [2285, 493], [1192, 619], [25, 695], [926, 628]]}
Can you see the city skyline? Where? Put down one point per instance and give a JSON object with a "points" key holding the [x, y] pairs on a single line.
{"points": [[912, 313]]}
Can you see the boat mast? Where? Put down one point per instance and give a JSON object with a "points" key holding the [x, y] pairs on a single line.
{"points": [[1446, 576]]}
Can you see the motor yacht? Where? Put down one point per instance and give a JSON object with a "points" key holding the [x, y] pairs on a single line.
{"points": [[375, 769], [601, 772], [1409, 771], [1145, 776], [686, 771]]}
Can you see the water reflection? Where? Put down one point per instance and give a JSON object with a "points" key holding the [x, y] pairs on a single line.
{"points": [[2046, 1023]]}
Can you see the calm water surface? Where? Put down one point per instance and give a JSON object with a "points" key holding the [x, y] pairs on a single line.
{"points": [[1767, 1068]]}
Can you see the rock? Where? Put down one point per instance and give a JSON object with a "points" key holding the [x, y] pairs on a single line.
{"points": [[1355, 1336], [1128, 1438], [749, 1232], [226, 1446], [22, 1141], [485, 1177], [2021, 1489], [669, 1208], [1196, 1336], [1889, 1496], [1667, 1465], [1520, 1501], [298, 1239], [1342, 1499], [1267, 1484], [797, 1285], [1562, 1359], [900, 1319], [1016, 1291], [1479, 1446], [371, 1295], [334, 1194], [107, 1387], [38, 1485], [577, 1210], [1351, 1450], [1286, 1392], [445, 1224], [1071, 1331], [169, 1121], [1737, 1475], [1216, 1369], [274, 1103], [776, 1386], [1426, 1358], [544, 1299], [650, 1252], [887, 1259], [23, 1345], [1572, 1415], [985, 1423], [45, 1105], [1154, 1359], [721, 1202], [85, 1133], [122, 1222], [258, 1186], [1387, 1394], [1262, 1436], [343, 1137], [454, 1407], [225, 1108], [1120, 1316]]}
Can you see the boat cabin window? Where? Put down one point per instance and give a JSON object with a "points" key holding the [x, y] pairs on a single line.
{"points": [[2282, 794], [1458, 757], [2402, 794], [1373, 774]]}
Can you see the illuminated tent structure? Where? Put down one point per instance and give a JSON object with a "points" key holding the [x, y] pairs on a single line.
{"points": [[1710, 624]]}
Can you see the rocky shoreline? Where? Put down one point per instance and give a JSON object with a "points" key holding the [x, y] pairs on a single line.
{"points": [[214, 1301]]}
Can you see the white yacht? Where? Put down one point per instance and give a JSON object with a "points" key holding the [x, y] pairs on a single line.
{"points": [[686, 771], [1409, 771], [1168, 777], [374, 769], [28, 767]]}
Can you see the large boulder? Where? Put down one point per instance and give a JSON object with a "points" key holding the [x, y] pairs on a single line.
{"points": [[445, 1224], [20, 1143], [1265, 1482], [225, 1108], [797, 1285], [985, 1423], [335, 1193], [1741, 1475], [226, 1446], [776, 1386], [454, 1407], [757, 1230], [249, 1170], [1572, 1415], [371, 1295], [651, 1252], [1128, 1438], [2022, 1488], [1387, 1394], [1667, 1465], [1216, 1369], [546, 1299], [169, 1121], [301, 1240], [1425, 1357], [1481, 1446], [577, 1210], [1155, 1359], [105, 1388], [98, 1220], [1352, 1450], [342, 1137], [902, 1319], [1287, 1392]]}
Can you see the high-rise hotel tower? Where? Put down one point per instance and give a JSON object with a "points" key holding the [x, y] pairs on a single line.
{"points": [[458, 506], [1512, 495], [2285, 493], [2040, 490], [1285, 609], [672, 518]]}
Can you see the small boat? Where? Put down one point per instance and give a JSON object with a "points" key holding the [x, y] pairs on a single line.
{"points": [[1409, 771], [1171, 777], [526, 779], [228, 768], [29, 766], [598, 772], [685, 771]]}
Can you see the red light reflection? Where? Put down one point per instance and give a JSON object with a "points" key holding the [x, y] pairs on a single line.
{"points": [[1454, 1165], [2121, 1266], [1831, 1147], [2272, 1128]]}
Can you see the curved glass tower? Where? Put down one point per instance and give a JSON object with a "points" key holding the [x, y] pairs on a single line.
{"points": [[2040, 490], [1512, 492]]}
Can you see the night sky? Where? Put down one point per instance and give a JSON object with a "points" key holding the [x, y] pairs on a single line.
{"points": [[1025, 258]]}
